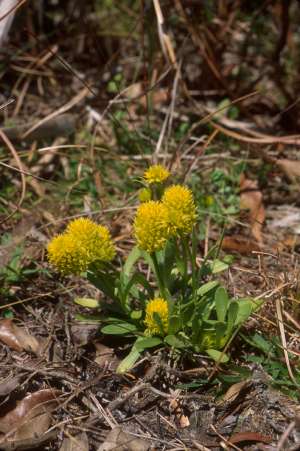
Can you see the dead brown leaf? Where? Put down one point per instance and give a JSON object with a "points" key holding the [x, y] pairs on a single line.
{"points": [[251, 199], [17, 338], [24, 427], [234, 391], [240, 244], [33, 405], [291, 168]]}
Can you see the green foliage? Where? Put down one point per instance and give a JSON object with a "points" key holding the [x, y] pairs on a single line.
{"points": [[14, 272], [269, 354]]}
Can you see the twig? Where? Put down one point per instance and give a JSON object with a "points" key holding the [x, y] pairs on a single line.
{"points": [[285, 436], [227, 442]]}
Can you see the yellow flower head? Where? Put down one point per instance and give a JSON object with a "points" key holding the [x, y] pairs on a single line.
{"points": [[160, 307], [151, 228], [66, 255], [82, 244], [156, 174], [94, 238], [179, 202]]}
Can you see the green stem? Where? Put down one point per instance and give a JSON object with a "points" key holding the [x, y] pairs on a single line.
{"points": [[160, 281], [191, 256]]}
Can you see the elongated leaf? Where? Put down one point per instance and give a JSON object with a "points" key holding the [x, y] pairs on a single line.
{"points": [[221, 303], [120, 328], [232, 316], [218, 356], [207, 287], [89, 319], [132, 258], [147, 342], [87, 302], [245, 308], [129, 361], [218, 266]]}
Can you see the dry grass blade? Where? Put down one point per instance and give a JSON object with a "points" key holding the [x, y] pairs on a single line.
{"points": [[76, 99], [283, 339], [165, 40], [13, 9], [20, 166]]}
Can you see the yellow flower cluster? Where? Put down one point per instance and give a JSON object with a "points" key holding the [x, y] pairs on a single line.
{"points": [[151, 227], [181, 209], [157, 221], [160, 307], [156, 174], [83, 243]]}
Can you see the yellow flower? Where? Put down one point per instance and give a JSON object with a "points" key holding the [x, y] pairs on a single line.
{"points": [[65, 254], [178, 200], [94, 238], [151, 228], [160, 307], [156, 174], [82, 244]]}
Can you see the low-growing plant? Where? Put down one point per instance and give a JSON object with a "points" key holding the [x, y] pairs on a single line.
{"points": [[170, 302]]}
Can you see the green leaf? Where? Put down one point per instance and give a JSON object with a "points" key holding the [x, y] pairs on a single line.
{"points": [[147, 342], [136, 314], [232, 315], [129, 361], [175, 342], [245, 308], [120, 328], [218, 266], [132, 258], [221, 303], [218, 356], [89, 319], [87, 302], [207, 287], [261, 343]]}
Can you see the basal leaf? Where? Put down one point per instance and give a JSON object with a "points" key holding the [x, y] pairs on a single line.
{"points": [[207, 287], [147, 342], [221, 303], [132, 258], [129, 361], [120, 328], [218, 356], [87, 302]]}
